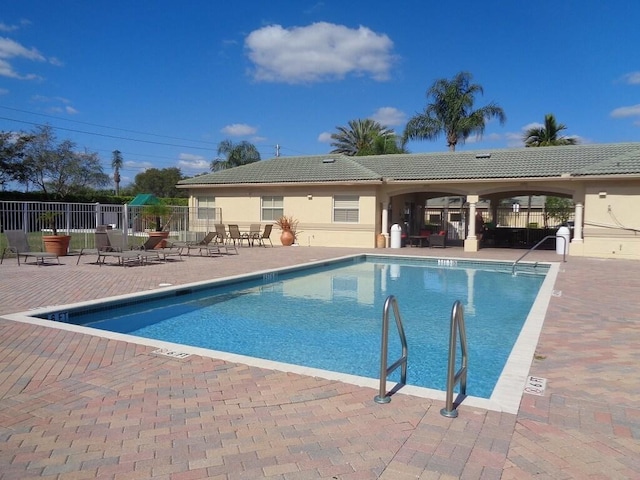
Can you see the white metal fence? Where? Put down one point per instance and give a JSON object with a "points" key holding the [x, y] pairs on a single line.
{"points": [[81, 219]]}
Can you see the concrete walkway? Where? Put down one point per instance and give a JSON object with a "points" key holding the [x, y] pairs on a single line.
{"points": [[76, 406]]}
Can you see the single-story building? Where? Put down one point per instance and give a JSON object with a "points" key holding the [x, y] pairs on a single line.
{"points": [[341, 200]]}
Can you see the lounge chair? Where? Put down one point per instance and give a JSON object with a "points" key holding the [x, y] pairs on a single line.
{"points": [[265, 235], [18, 243], [254, 233], [439, 239], [199, 245], [221, 230], [119, 250], [236, 237], [150, 250], [101, 242]]}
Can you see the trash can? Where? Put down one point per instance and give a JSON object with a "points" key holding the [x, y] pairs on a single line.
{"points": [[396, 236], [562, 246]]}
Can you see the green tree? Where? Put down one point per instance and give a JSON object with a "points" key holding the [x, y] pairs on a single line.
{"points": [[160, 182], [235, 154], [547, 135], [365, 137], [451, 112], [57, 169], [12, 151], [558, 208], [117, 163]]}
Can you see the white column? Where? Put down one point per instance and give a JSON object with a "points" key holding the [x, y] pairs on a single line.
{"points": [[577, 227], [385, 218], [471, 243], [472, 221], [385, 222]]}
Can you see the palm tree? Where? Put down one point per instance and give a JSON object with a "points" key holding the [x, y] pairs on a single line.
{"points": [[365, 137], [116, 163], [451, 112], [235, 154], [547, 135]]}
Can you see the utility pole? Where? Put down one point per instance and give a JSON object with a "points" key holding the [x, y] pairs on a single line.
{"points": [[277, 150]]}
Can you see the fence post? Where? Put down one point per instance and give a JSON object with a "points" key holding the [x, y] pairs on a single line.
{"points": [[97, 214], [125, 221]]}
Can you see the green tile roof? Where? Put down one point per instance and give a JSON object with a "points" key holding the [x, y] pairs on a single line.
{"points": [[577, 160]]}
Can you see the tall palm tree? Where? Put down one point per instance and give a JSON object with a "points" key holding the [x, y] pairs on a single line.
{"points": [[364, 137], [451, 112], [235, 154], [116, 163], [547, 135]]}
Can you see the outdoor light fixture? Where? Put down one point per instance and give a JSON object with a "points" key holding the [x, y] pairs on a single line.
{"points": [[602, 194], [310, 197]]}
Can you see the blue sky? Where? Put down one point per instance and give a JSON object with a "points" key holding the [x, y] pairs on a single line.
{"points": [[164, 82]]}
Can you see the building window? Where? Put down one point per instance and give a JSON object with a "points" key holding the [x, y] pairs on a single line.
{"points": [[206, 208], [346, 208], [272, 208]]}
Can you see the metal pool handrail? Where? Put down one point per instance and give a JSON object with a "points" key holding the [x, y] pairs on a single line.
{"points": [[382, 396], [457, 326], [564, 250]]}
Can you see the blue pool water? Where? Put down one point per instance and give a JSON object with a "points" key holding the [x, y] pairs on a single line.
{"points": [[329, 317]]}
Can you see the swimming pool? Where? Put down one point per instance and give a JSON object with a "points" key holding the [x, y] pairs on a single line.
{"points": [[341, 306]]}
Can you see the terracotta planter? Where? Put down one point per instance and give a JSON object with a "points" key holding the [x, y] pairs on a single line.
{"points": [[287, 238], [381, 241], [58, 244], [163, 235]]}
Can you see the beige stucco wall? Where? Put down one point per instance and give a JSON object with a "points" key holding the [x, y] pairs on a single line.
{"points": [[612, 221], [312, 206]]}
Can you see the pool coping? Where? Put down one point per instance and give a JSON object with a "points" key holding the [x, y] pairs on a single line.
{"points": [[506, 395]]}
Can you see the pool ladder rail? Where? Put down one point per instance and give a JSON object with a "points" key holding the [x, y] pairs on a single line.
{"points": [[457, 329], [384, 396]]}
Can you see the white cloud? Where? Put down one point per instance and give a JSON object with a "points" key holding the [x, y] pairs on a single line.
{"points": [[196, 163], [529, 126], [318, 52], [389, 116], [6, 70], [622, 112], [53, 101], [632, 78], [11, 49], [12, 28], [324, 137], [141, 166], [239, 130]]}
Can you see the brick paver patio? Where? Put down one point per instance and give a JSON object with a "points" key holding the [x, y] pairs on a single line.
{"points": [[75, 406]]}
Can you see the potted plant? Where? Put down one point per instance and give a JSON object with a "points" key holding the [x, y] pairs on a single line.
{"points": [[54, 243], [159, 216], [288, 225]]}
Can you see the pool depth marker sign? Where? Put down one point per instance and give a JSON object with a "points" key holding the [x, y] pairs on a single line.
{"points": [[535, 385]]}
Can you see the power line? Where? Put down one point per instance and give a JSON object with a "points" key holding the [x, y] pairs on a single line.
{"points": [[108, 136], [106, 126]]}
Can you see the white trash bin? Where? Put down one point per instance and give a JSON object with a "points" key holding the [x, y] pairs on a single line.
{"points": [[562, 246], [396, 236]]}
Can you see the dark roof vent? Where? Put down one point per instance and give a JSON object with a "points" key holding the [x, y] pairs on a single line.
{"points": [[328, 160], [483, 155]]}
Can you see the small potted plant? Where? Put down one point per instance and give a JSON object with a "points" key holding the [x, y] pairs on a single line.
{"points": [[54, 243], [159, 216], [288, 225]]}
